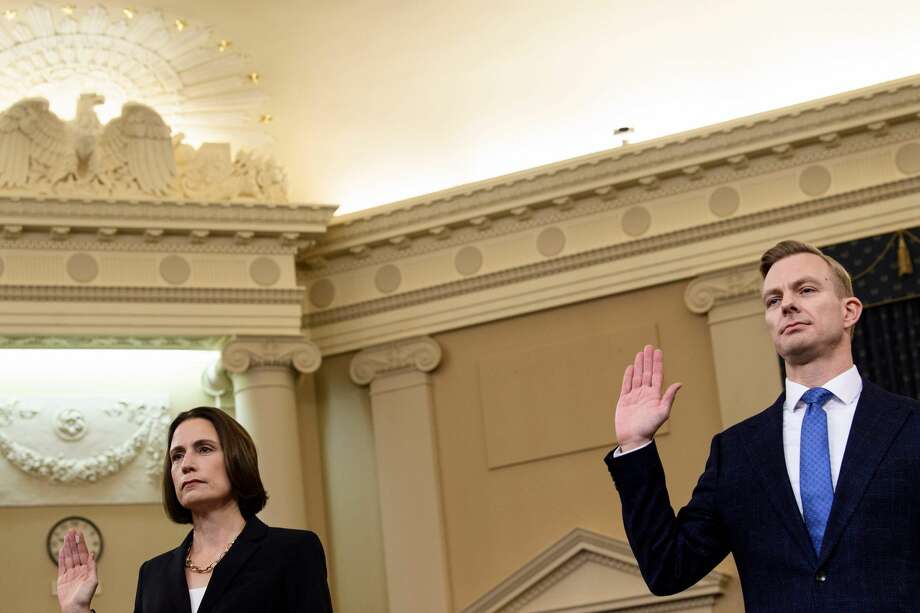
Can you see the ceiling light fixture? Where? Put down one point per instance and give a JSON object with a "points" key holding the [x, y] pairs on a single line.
{"points": [[68, 9], [129, 13], [223, 45], [254, 77], [180, 24], [10, 15], [265, 118]]}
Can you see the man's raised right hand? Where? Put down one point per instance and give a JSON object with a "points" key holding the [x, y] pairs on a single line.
{"points": [[641, 408]]}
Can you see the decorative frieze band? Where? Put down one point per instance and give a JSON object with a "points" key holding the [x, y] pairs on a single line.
{"points": [[242, 354], [710, 290], [421, 353]]}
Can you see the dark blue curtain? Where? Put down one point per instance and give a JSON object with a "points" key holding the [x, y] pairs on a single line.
{"points": [[886, 346]]}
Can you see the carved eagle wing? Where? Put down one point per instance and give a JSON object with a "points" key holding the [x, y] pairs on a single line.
{"points": [[141, 139], [28, 130]]}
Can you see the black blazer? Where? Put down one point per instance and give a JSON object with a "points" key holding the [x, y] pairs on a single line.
{"points": [[267, 570], [744, 505]]}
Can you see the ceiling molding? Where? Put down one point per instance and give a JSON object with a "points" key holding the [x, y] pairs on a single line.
{"points": [[779, 134]]}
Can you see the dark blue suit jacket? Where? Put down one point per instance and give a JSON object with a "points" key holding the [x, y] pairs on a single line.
{"points": [[744, 505], [267, 570]]}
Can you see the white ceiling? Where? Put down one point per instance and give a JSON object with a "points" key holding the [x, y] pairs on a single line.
{"points": [[380, 100]]}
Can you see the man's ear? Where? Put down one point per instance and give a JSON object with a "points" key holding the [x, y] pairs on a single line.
{"points": [[853, 309]]}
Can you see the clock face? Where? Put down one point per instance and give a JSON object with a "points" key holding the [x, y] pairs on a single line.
{"points": [[90, 532]]}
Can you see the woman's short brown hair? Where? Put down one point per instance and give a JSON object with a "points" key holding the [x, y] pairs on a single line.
{"points": [[240, 461]]}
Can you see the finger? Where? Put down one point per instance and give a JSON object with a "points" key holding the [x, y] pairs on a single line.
{"points": [[82, 552], [657, 371], [61, 569], [669, 395], [627, 380], [647, 354], [67, 550], [637, 371]]}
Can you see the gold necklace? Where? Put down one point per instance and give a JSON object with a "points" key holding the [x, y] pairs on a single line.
{"points": [[197, 569]]}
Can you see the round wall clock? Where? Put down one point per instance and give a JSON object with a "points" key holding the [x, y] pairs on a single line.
{"points": [[58, 531]]}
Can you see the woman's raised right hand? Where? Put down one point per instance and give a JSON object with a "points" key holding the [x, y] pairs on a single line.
{"points": [[77, 581]]}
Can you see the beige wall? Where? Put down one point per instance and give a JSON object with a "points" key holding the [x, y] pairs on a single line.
{"points": [[132, 533], [500, 518]]}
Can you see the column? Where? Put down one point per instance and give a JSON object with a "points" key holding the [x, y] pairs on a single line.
{"points": [[263, 374], [402, 408], [746, 365]]}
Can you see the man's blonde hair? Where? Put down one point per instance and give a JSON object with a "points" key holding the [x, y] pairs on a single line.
{"points": [[842, 281]]}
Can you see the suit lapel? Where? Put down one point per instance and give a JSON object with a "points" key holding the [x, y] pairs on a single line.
{"points": [[176, 585], [248, 542], [764, 444], [876, 422]]}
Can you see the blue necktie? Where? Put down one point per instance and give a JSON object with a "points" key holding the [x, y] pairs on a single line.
{"points": [[815, 484]]}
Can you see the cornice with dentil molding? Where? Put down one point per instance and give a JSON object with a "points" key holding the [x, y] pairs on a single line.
{"points": [[567, 263], [708, 291], [242, 354], [421, 353], [827, 124], [336, 252]]}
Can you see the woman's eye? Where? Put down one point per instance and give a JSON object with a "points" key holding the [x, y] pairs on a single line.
{"points": [[176, 457]]}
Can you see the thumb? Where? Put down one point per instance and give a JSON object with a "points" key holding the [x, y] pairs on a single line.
{"points": [[670, 393]]}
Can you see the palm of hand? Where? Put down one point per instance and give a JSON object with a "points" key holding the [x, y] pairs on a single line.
{"points": [[640, 412], [77, 580], [76, 586]]}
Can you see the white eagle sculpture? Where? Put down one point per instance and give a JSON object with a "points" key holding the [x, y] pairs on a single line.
{"points": [[132, 152]]}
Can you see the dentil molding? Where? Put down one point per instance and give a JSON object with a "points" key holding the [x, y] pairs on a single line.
{"points": [[709, 200], [421, 353]]}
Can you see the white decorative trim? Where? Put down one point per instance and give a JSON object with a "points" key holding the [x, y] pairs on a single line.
{"points": [[578, 261], [153, 421], [335, 258], [771, 134], [421, 353], [717, 288], [191, 295], [111, 342], [245, 353], [573, 551]]}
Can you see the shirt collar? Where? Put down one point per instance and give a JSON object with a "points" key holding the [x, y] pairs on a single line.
{"points": [[845, 387]]}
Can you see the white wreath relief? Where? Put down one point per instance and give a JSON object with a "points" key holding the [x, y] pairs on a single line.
{"points": [[153, 420]]}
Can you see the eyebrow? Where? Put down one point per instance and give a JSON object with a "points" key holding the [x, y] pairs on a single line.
{"points": [[797, 283], [195, 444]]}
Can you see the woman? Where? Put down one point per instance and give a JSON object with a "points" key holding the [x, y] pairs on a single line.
{"points": [[230, 562]]}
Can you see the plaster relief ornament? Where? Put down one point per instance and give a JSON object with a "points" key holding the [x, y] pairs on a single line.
{"points": [[129, 429], [40, 152], [134, 155]]}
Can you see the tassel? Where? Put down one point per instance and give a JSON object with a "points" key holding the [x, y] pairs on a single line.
{"points": [[905, 263]]}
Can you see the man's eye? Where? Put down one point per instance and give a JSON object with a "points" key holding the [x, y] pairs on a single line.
{"points": [[772, 301]]}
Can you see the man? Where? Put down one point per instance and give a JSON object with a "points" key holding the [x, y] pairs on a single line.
{"points": [[817, 497]]}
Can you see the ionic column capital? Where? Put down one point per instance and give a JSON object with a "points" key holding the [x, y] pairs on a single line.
{"points": [[711, 290], [244, 353], [421, 353]]}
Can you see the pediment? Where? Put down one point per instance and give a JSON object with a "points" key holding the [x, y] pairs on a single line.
{"points": [[589, 572]]}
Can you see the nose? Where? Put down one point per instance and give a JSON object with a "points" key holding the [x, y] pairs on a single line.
{"points": [[187, 465], [788, 304]]}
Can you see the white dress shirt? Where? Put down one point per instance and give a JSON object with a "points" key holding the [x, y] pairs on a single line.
{"points": [[840, 408]]}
